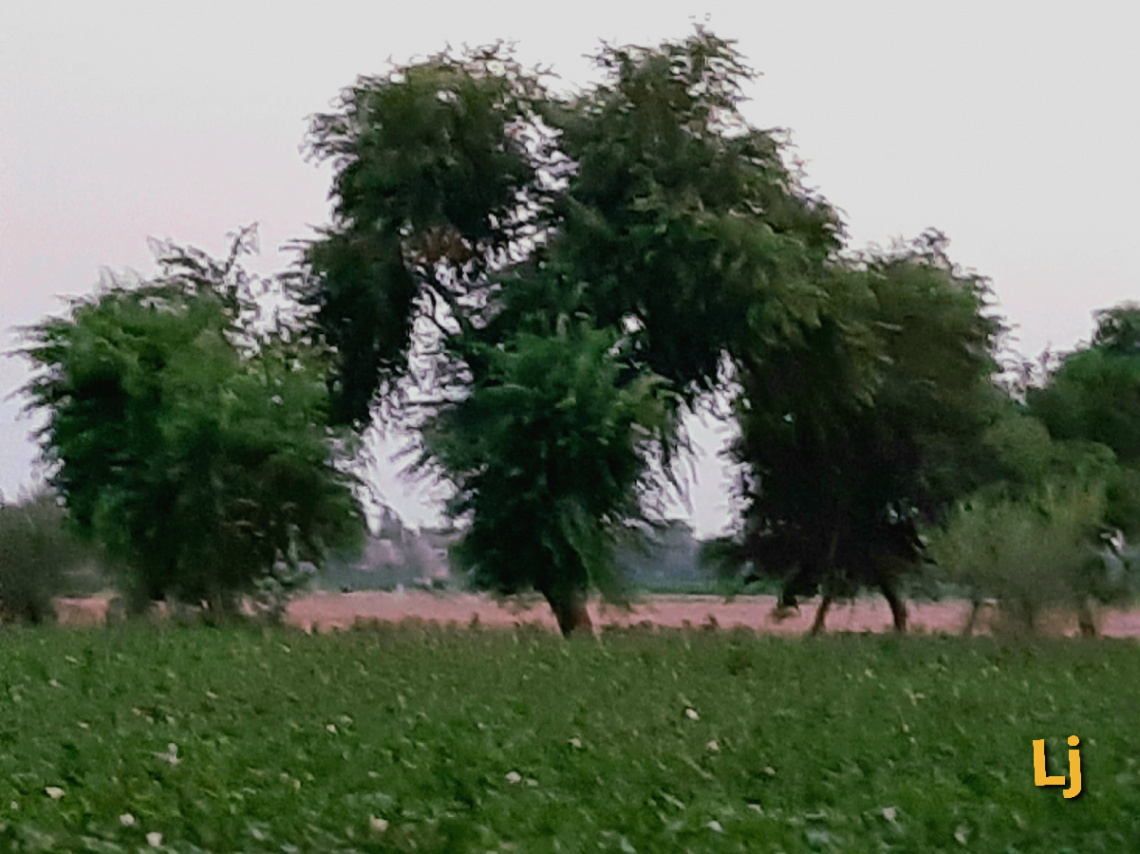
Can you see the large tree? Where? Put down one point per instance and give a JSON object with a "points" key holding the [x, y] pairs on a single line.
{"points": [[474, 210], [185, 438]]}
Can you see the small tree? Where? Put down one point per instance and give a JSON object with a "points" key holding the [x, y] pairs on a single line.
{"points": [[186, 440], [549, 456], [1032, 554]]}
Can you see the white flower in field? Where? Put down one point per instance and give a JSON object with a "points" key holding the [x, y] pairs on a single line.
{"points": [[714, 826], [692, 715], [377, 825], [54, 792], [513, 777], [889, 813], [171, 754], [154, 839], [713, 746], [127, 820]]}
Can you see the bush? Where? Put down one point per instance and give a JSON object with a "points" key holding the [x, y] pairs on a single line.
{"points": [[36, 554], [1032, 555]]}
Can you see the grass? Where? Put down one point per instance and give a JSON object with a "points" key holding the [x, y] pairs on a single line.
{"points": [[274, 741]]}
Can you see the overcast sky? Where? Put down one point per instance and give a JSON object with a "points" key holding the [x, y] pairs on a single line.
{"points": [[1011, 126]]}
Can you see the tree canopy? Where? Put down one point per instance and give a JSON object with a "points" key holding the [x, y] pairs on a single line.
{"points": [[867, 423], [186, 441], [474, 210]]}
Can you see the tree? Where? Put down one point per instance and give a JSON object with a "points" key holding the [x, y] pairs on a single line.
{"points": [[1094, 394], [186, 440], [1048, 531], [865, 425], [474, 211], [548, 453]]}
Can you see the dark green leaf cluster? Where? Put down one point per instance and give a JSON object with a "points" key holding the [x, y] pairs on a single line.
{"points": [[867, 422]]}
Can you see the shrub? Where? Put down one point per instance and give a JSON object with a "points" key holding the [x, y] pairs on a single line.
{"points": [[1032, 555], [36, 553]]}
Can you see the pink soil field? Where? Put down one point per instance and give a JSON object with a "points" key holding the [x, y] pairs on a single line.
{"points": [[330, 611]]}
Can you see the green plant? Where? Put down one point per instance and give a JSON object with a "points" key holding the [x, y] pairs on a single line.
{"points": [[188, 438], [409, 739], [36, 553], [549, 454], [1031, 554]]}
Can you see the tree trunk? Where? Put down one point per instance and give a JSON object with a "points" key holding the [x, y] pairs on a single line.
{"points": [[1086, 621], [975, 607], [898, 607], [828, 569], [821, 614], [569, 607]]}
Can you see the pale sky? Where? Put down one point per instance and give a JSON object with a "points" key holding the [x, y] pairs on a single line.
{"points": [[1014, 127]]}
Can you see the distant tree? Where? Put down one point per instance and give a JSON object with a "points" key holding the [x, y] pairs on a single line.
{"points": [[37, 550], [475, 212], [185, 439], [865, 425], [1094, 393]]}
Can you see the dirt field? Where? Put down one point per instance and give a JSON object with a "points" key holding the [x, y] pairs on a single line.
{"points": [[328, 611]]}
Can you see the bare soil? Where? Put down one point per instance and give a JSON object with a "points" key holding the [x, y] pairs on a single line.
{"points": [[329, 611]]}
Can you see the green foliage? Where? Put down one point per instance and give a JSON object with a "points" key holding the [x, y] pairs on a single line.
{"points": [[463, 190], [473, 209], [867, 422], [1094, 394], [844, 744], [1032, 554], [435, 180], [36, 553], [684, 221], [183, 439], [549, 454]]}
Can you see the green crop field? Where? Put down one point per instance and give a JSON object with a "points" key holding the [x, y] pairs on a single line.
{"points": [[408, 739]]}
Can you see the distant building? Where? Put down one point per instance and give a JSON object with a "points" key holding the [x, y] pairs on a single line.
{"points": [[396, 556]]}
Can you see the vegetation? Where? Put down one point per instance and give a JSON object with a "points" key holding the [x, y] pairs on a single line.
{"points": [[37, 552], [406, 740], [1052, 528], [475, 211], [186, 441], [866, 426], [542, 286], [1033, 555], [548, 453]]}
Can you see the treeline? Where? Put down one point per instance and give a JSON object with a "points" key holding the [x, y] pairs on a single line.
{"points": [[540, 286]]}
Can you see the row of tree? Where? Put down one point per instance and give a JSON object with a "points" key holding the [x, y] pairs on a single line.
{"points": [[541, 286]]}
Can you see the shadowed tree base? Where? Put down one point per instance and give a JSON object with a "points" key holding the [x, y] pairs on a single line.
{"points": [[898, 610], [570, 611]]}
